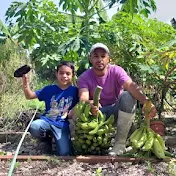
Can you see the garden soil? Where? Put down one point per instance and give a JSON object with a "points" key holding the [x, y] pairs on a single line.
{"points": [[62, 168], [55, 167]]}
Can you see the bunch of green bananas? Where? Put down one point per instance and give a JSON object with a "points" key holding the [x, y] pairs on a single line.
{"points": [[146, 141], [92, 133]]}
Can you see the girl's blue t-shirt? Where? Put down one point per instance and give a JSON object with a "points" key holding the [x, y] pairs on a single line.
{"points": [[58, 102]]}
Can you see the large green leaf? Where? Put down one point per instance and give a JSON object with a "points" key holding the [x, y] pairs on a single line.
{"points": [[4, 29], [143, 7], [15, 9], [71, 44], [101, 11]]}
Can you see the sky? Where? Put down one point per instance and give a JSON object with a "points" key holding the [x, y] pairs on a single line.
{"points": [[165, 10]]}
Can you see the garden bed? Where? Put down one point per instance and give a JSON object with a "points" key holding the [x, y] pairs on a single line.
{"points": [[69, 166], [32, 161], [54, 167]]}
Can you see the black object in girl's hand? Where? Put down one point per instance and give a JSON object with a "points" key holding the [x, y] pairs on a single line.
{"points": [[22, 71]]}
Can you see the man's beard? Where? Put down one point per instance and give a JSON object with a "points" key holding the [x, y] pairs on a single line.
{"points": [[100, 68]]}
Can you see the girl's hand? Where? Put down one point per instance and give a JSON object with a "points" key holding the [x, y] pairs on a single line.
{"points": [[70, 114], [25, 81], [29, 94]]}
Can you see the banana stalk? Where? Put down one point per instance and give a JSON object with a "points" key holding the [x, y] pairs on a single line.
{"points": [[147, 109], [96, 96]]}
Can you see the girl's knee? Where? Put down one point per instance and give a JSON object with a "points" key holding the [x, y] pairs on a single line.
{"points": [[35, 125], [37, 129]]}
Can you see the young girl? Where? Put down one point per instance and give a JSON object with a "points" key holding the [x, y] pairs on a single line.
{"points": [[59, 100]]}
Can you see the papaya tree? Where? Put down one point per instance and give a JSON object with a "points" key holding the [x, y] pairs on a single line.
{"points": [[59, 34], [53, 35], [143, 7], [128, 37], [160, 71], [6, 33], [90, 11]]}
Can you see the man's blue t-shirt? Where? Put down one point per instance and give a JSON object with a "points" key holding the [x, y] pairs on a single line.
{"points": [[58, 102]]}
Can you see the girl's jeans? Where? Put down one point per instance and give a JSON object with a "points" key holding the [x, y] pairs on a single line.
{"points": [[40, 129]]}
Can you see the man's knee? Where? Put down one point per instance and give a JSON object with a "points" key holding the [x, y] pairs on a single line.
{"points": [[127, 102]]}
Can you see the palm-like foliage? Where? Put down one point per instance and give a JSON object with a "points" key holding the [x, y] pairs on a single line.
{"points": [[143, 7]]}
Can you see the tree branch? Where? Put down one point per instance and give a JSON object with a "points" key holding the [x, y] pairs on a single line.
{"points": [[168, 73]]}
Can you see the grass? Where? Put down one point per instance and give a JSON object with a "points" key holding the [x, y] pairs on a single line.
{"points": [[54, 161], [99, 171], [150, 168], [172, 168]]}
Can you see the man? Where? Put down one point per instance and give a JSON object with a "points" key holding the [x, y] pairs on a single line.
{"points": [[113, 79]]}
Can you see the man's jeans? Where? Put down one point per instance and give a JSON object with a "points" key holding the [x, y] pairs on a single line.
{"points": [[126, 103], [40, 129]]}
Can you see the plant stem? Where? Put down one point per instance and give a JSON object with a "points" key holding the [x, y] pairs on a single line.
{"points": [[19, 145]]}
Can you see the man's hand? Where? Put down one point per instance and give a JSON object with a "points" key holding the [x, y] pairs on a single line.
{"points": [[84, 96], [152, 110], [94, 109]]}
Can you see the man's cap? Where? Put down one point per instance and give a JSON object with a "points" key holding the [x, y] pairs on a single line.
{"points": [[99, 45]]}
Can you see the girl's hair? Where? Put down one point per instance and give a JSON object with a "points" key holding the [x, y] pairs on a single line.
{"points": [[68, 64]]}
